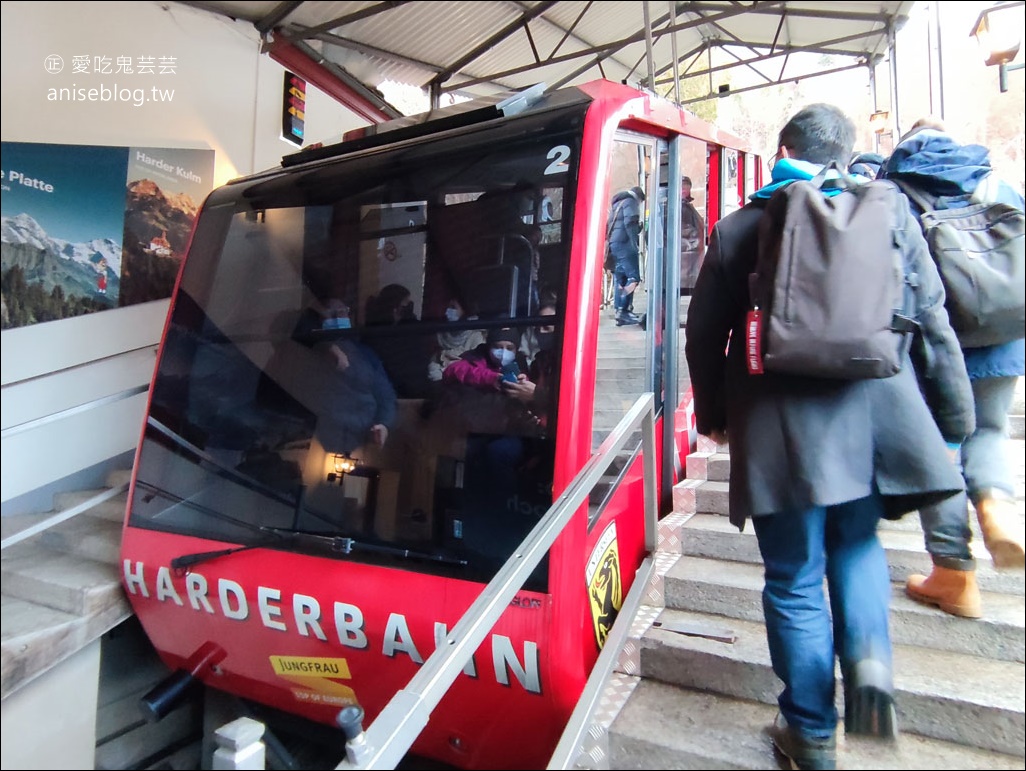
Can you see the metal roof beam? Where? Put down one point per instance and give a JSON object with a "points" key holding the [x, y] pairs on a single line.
{"points": [[277, 16], [381, 53], [341, 21], [608, 49], [733, 91], [494, 40], [785, 51], [568, 32], [763, 8]]}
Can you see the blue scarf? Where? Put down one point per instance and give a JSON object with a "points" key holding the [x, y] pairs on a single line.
{"points": [[788, 170]]}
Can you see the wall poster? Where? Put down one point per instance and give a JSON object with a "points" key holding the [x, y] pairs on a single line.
{"points": [[88, 228]]}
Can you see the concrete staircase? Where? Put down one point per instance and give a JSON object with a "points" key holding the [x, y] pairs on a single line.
{"points": [[61, 588], [694, 687]]}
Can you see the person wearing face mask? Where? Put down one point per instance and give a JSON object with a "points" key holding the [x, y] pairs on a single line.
{"points": [[452, 345], [482, 367], [502, 435], [404, 354], [336, 315]]}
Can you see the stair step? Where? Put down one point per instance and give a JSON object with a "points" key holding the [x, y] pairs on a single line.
{"points": [[36, 637], [60, 581], [709, 466], [119, 477], [667, 727], [713, 537], [85, 536], [983, 707], [708, 586], [112, 509]]}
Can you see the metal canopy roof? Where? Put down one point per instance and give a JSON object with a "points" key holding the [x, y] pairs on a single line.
{"points": [[482, 48]]}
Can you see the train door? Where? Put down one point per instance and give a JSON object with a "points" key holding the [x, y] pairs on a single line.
{"points": [[730, 174], [696, 219], [627, 362]]}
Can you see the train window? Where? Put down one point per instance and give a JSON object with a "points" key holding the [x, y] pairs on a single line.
{"points": [[751, 162], [330, 378], [729, 187], [624, 363]]}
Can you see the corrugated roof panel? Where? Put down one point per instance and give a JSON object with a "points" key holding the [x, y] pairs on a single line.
{"points": [[411, 42]]}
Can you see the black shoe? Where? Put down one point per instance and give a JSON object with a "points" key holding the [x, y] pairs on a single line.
{"points": [[803, 752], [869, 701], [626, 317]]}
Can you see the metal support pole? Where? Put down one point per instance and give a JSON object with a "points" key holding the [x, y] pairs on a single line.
{"points": [[648, 48], [940, 58], [876, 104], [673, 50], [1003, 70], [893, 56]]}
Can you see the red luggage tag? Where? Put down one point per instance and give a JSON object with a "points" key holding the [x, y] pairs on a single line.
{"points": [[753, 341]]}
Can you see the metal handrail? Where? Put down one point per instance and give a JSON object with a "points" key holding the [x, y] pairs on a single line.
{"points": [[96, 500], [62, 516], [53, 417], [569, 747], [387, 740]]}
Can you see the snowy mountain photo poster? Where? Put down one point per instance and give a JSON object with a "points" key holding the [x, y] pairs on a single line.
{"points": [[88, 228]]}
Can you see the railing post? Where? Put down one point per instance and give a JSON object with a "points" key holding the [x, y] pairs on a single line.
{"points": [[239, 746]]}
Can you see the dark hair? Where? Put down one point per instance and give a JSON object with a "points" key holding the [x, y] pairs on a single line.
{"points": [[819, 133], [686, 181], [380, 309]]}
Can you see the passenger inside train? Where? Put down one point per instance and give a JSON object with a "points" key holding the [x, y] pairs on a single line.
{"points": [[294, 410]]}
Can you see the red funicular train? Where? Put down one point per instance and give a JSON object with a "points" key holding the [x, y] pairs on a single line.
{"points": [[317, 498]]}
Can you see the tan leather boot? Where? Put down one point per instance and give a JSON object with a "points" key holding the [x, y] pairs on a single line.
{"points": [[953, 591], [1002, 531]]}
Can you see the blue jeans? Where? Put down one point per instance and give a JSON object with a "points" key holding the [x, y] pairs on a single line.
{"points": [[985, 468], [626, 272], [799, 549]]}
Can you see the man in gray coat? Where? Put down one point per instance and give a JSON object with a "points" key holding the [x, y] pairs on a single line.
{"points": [[815, 463]]}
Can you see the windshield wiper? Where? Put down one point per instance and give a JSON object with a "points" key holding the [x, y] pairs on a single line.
{"points": [[180, 564], [184, 562], [345, 545]]}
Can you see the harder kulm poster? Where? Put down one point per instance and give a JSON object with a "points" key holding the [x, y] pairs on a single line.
{"points": [[88, 228]]}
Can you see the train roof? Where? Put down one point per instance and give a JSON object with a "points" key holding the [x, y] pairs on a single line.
{"points": [[474, 113]]}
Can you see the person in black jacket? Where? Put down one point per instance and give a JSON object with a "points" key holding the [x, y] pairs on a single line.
{"points": [[815, 463], [624, 239]]}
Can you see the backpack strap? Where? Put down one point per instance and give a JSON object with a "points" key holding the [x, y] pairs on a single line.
{"points": [[903, 320], [924, 201], [843, 180], [612, 218]]}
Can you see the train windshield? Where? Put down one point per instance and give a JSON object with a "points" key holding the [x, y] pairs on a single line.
{"points": [[362, 356]]}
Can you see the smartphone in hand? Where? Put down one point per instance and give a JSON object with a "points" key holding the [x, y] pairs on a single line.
{"points": [[510, 373]]}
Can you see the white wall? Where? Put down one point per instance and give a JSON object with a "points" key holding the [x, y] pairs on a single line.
{"points": [[52, 722], [227, 97]]}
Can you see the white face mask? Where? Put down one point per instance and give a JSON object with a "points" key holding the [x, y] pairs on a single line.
{"points": [[452, 314], [503, 356]]}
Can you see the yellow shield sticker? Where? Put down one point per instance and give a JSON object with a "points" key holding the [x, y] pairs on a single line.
{"points": [[605, 590]]}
